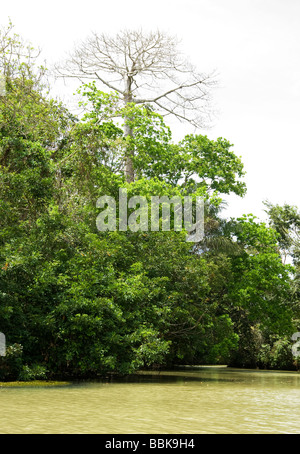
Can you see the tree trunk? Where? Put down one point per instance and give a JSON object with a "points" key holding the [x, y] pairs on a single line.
{"points": [[129, 170]]}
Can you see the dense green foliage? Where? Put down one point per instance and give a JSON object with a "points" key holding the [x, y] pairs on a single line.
{"points": [[76, 302]]}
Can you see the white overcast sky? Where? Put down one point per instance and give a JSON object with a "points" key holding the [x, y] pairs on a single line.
{"points": [[254, 45]]}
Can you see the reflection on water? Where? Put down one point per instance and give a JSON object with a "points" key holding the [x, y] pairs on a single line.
{"points": [[190, 401]]}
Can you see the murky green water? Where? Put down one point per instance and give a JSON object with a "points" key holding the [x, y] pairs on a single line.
{"points": [[193, 401]]}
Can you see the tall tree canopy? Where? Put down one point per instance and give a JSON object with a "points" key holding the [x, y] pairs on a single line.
{"points": [[143, 68]]}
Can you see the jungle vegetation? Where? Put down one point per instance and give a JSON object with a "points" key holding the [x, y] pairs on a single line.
{"points": [[77, 302]]}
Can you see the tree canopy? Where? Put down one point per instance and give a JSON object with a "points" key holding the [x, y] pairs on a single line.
{"points": [[145, 69], [77, 302]]}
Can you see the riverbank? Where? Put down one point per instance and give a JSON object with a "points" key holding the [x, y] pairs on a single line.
{"points": [[33, 383], [175, 372]]}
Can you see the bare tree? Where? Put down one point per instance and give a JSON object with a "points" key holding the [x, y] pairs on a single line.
{"points": [[143, 69], [18, 59], [23, 81]]}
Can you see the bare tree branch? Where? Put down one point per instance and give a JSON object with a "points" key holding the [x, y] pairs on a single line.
{"points": [[143, 60]]}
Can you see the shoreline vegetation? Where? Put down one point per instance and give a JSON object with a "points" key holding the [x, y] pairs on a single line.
{"points": [[33, 383], [138, 375], [76, 301]]}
